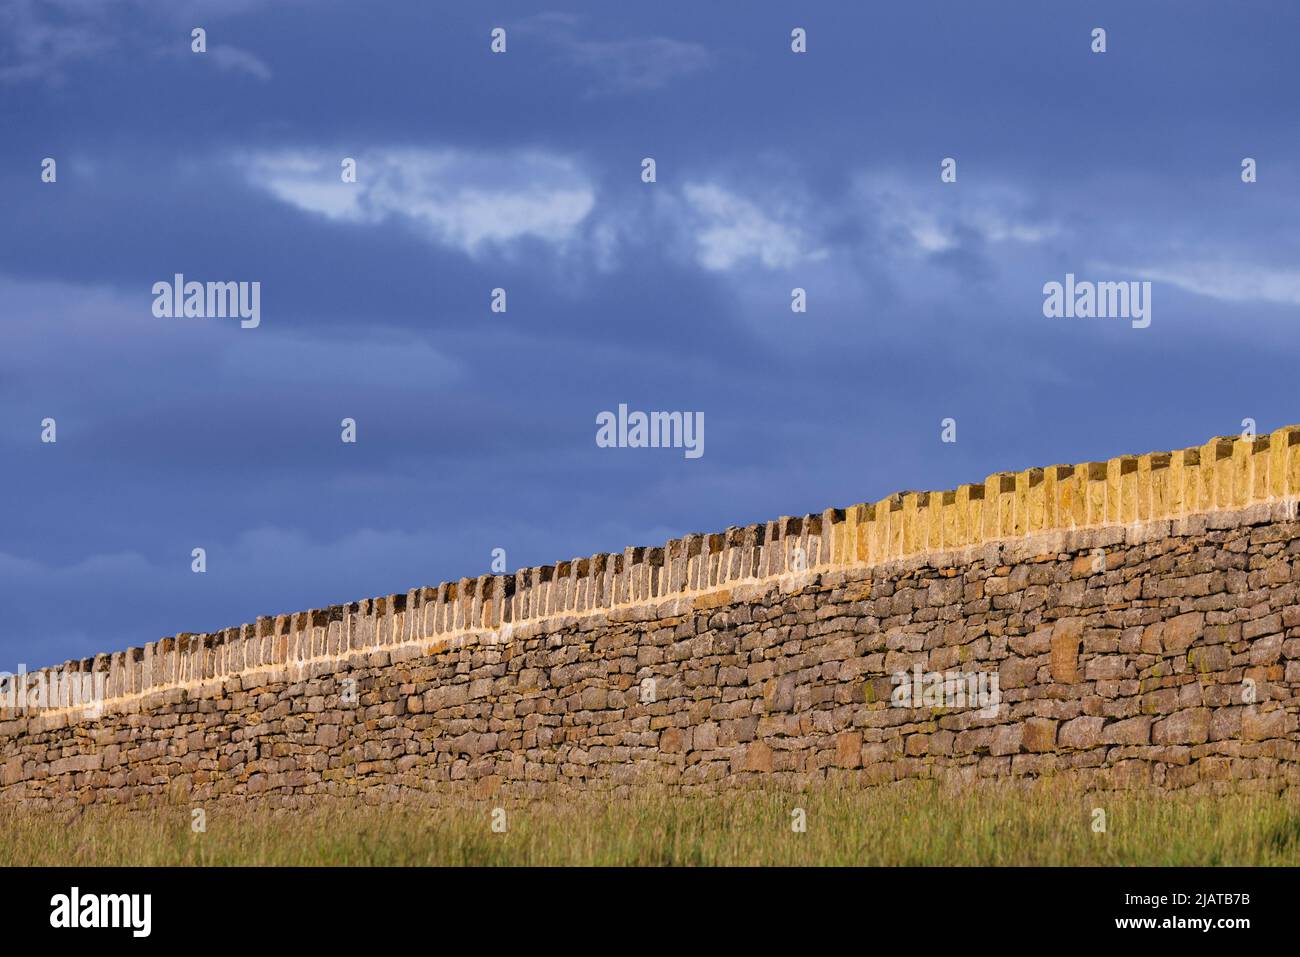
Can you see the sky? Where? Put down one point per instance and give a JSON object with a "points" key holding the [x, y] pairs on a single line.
{"points": [[523, 170]]}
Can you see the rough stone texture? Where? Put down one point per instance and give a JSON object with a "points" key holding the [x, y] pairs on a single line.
{"points": [[1138, 671]]}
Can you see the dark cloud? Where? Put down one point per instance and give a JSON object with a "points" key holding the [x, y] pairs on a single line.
{"points": [[476, 430]]}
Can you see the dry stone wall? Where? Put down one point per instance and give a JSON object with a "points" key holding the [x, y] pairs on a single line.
{"points": [[1119, 624]]}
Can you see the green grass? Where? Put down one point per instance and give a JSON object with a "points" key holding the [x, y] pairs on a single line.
{"points": [[907, 825]]}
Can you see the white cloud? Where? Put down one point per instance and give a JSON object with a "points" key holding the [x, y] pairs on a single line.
{"points": [[1226, 281], [925, 231], [456, 198], [998, 229], [649, 63], [237, 60], [41, 39], [730, 230], [626, 65], [937, 223]]}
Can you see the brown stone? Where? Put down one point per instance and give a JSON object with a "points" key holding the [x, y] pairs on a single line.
{"points": [[672, 741], [756, 756], [1260, 725], [1179, 632], [1081, 733], [1040, 734], [1067, 634], [1007, 739], [848, 749], [1191, 726], [1130, 731]]}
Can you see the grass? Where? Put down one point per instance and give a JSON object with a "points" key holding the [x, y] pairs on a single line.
{"points": [[903, 825]]}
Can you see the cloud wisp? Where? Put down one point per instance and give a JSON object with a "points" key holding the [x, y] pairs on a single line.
{"points": [[620, 65], [455, 198]]}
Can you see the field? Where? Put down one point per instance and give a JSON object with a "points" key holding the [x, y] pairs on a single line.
{"points": [[912, 825]]}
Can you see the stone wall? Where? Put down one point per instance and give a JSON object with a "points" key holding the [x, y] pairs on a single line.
{"points": [[1135, 620]]}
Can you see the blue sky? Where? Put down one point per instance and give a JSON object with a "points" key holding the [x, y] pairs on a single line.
{"points": [[522, 170]]}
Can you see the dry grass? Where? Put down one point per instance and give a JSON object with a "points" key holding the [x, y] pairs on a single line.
{"points": [[905, 825]]}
